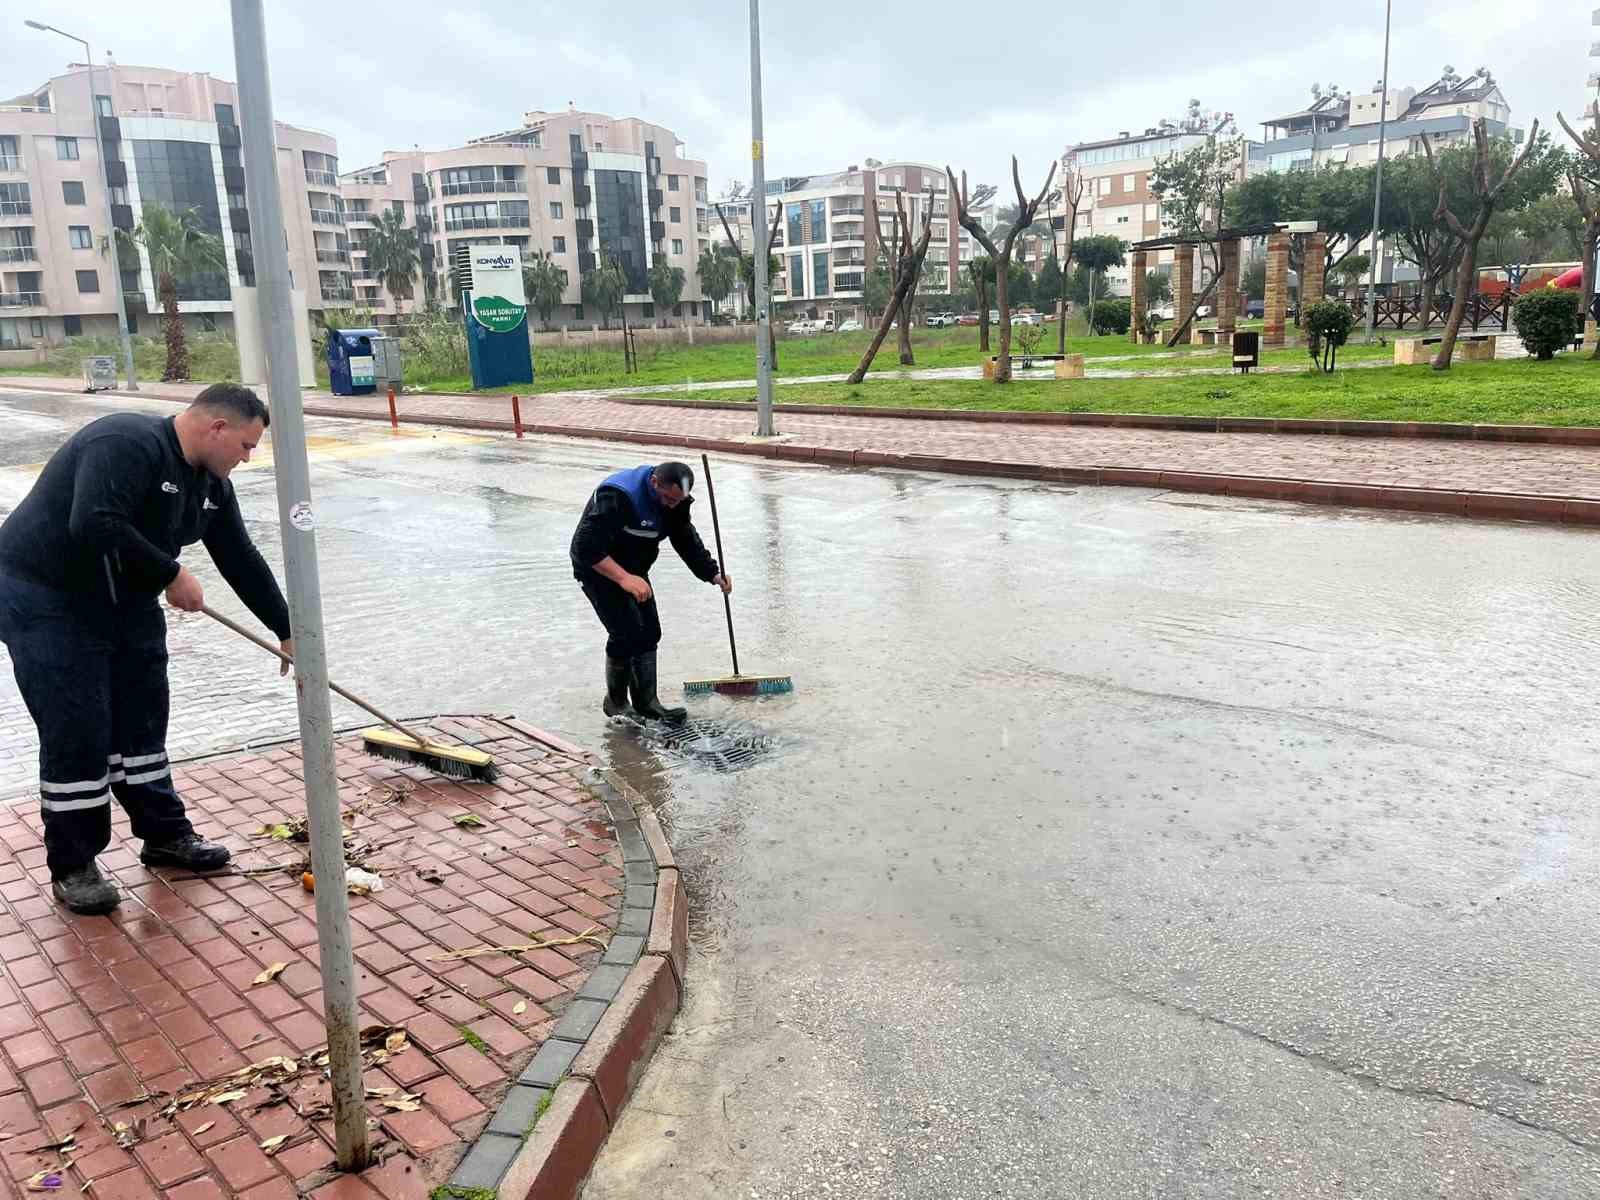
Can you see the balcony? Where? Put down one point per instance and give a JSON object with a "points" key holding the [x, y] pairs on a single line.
{"points": [[333, 256], [246, 261], [326, 216], [652, 165], [479, 187], [239, 220], [322, 178], [16, 208], [337, 294], [18, 254], [454, 224], [580, 161], [582, 196], [21, 299], [122, 216], [10, 162], [360, 214], [116, 172], [658, 231], [111, 129], [585, 227], [656, 198], [586, 261], [228, 135], [233, 176]]}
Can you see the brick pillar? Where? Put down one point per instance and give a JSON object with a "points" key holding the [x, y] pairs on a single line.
{"points": [[1137, 282], [1313, 284], [1277, 299], [1228, 290], [1182, 284]]}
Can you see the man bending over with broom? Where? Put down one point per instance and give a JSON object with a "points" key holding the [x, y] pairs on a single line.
{"points": [[616, 544], [83, 559]]}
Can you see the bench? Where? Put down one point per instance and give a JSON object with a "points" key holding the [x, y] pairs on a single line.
{"points": [[1470, 347], [1068, 366]]}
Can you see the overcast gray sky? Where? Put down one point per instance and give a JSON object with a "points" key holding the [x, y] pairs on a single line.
{"points": [[892, 79]]}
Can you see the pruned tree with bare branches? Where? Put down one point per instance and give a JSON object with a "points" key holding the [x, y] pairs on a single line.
{"points": [[1001, 254], [905, 259], [1071, 196], [747, 263], [1583, 177], [1486, 195]]}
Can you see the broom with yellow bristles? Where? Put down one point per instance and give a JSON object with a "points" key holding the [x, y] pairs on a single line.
{"points": [[401, 745], [735, 684]]}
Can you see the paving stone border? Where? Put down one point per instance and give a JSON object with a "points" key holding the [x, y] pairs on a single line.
{"points": [[557, 1114]]}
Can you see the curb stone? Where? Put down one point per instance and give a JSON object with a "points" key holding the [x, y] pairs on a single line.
{"points": [[554, 1120]]}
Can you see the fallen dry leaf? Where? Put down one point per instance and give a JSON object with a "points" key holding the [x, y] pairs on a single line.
{"points": [[468, 820], [201, 1129], [395, 1042], [520, 1007], [271, 973], [272, 1144], [44, 1181], [403, 1104], [227, 1097]]}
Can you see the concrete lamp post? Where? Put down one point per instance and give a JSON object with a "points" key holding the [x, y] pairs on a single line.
{"points": [[105, 186]]}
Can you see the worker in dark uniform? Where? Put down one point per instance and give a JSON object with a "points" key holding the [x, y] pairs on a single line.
{"points": [[613, 550], [83, 561]]}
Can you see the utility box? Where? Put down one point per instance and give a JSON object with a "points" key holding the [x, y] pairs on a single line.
{"points": [[100, 373], [1246, 349], [386, 371], [351, 369]]}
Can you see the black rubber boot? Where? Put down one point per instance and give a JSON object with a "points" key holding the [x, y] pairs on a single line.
{"points": [[645, 702], [191, 851], [617, 672], [87, 892]]}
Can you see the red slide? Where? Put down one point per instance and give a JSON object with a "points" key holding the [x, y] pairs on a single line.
{"points": [[1569, 279]]}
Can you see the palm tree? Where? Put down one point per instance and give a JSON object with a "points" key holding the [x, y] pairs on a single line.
{"points": [[544, 283], [666, 285], [176, 244], [718, 271], [603, 288], [392, 255]]}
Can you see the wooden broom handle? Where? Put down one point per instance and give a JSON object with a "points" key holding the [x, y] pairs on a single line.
{"points": [[332, 686]]}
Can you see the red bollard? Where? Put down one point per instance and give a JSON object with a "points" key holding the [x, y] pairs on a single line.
{"points": [[516, 414], [394, 417]]}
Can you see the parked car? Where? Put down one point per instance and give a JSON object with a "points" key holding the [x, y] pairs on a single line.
{"points": [[1255, 309], [967, 319], [1026, 318], [805, 327], [940, 320], [850, 326]]}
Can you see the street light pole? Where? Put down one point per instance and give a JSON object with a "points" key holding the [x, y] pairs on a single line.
{"points": [[298, 523], [758, 226], [1377, 180], [105, 186]]}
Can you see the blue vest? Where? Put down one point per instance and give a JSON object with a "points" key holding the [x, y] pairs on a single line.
{"points": [[649, 517]]}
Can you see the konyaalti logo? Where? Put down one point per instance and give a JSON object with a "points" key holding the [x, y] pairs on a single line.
{"points": [[497, 262]]}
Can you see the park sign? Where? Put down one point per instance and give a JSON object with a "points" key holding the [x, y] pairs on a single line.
{"points": [[499, 302]]}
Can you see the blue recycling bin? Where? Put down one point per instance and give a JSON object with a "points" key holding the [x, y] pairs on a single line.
{"points": [[351, 371]]}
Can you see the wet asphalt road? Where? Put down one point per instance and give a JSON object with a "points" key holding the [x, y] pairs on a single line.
{"points": [[1114, 843]]}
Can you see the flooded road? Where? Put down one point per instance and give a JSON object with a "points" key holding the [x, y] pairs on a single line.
{"points": [[1113, 843]]}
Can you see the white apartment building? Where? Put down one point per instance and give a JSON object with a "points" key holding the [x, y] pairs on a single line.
{"points": [[171, 138], [582, 187]]}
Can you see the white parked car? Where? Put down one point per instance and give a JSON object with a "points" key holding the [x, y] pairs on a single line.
{"points": [[850, 326], [940, 320], [1029, 318], [805, 327]]}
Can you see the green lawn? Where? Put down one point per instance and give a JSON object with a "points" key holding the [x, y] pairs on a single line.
{"points": [[1565, 391]]}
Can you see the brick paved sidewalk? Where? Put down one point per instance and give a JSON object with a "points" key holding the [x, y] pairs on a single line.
{"points": [[1345, 469], [105, 1020]]}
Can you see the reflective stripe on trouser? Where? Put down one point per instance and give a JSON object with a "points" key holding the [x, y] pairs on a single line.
{"points": [[97, 692]]}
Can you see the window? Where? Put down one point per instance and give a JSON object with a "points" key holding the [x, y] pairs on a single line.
{"points": [[555, 210], [71, 191], [78, 235], [558, 245], [795, 217], [67, 149], [819, 221], [119, 194], [677, 245], [577, 309], [1127, 182], [102, 106], [552, 174], [88, 281], [649, 310], [672, 183], [575, 141], [224, 114], [819, 272], [36, 327], [675, 215], [797, 274], [70, 325], [514, 213]]}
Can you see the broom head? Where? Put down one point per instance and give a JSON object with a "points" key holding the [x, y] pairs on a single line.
{"points": [[462, 762], [740, 685]]}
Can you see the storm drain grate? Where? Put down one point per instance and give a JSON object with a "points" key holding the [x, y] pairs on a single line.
{"points": [[720, 745]]}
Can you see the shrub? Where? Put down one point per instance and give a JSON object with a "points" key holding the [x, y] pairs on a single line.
{"points": [[1547, 320], [1328, 325], [1110, 316]]}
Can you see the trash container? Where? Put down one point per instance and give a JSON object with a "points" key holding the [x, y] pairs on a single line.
{"points": [[350, 364], [1246, 350], [386, 363], [100, 373]]}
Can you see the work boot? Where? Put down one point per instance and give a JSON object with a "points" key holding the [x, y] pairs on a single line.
{"points": [[191, 851], [616, 701], [645, 702], [87, 892]]}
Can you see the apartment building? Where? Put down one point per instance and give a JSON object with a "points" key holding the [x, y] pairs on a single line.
{"points": [[171, 138], [582, 187]]}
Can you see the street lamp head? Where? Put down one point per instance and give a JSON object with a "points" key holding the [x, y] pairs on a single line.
{"points": [[36, 25]]}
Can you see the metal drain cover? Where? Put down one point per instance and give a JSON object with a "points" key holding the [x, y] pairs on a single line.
{"points": [[720, 745]]}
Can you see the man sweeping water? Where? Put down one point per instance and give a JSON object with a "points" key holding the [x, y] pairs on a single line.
{"points": [[83, 560], [616, 544]]}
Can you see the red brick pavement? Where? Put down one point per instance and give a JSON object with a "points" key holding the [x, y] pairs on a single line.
{"points": [[103, 1018], [1356, 463]]}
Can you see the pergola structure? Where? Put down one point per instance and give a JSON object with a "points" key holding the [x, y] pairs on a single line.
{"points": [[1278, 235]]}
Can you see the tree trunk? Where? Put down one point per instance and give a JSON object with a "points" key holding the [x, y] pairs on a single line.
{"points": [[983, 319], [1061, 323], [772, 346], [1425, 313], [1586, 296], [897, 302], [177, 367], [907, 359], [1002, 366], [1466, 273]]}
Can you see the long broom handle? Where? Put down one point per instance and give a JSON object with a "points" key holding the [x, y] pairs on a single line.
{"points": [[332, 686], [716, 530]]}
